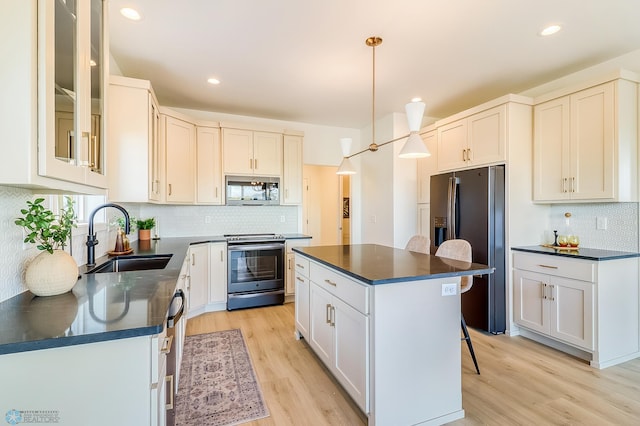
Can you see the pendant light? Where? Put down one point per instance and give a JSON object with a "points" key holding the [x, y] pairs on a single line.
{"points": [[414, 147]]}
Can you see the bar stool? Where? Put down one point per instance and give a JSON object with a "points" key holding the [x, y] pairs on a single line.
{"points": [[418, 243], [460, 250]]}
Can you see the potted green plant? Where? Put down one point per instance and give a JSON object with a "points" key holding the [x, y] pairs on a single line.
{"points": [[53, 271], [144, 228]]}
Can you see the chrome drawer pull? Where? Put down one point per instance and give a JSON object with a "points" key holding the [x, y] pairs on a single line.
{"points": [[299, 266], [548, 266], [300, 279], [331, 283]]}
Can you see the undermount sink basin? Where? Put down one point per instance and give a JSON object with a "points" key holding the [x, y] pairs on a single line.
{"points": [[138, 263]]}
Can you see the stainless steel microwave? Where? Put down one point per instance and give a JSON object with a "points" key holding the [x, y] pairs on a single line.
{"points": [[252, 190]]}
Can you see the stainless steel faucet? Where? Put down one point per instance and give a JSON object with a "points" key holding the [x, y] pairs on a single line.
{"points": [[91, 238]]}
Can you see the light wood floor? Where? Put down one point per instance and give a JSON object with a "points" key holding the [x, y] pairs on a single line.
{"points": [[522, 382]]}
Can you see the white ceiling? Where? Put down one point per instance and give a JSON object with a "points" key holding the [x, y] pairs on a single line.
{"points": [[306, 61]]}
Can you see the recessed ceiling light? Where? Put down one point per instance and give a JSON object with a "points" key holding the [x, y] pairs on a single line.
{"points": [[129, 13], [213, 81], [551, 29]]}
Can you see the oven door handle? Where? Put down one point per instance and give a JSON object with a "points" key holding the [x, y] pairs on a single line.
{"points": [[172, 320], [248, 247]]}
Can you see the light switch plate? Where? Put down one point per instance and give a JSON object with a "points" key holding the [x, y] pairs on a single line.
{"points": [[601, 223]]}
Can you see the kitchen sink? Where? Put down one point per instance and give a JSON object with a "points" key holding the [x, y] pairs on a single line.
{"points": [[132, 263]]}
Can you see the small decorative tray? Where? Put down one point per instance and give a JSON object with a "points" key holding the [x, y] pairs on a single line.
{"points": [[560, 247], [120, 253]]}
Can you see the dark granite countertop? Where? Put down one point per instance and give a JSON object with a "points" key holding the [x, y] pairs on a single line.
{"points": [[100, 307], [581, 253], [376, 264]]}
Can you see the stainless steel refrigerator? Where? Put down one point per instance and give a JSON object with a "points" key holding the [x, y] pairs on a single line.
{"points": [[470, 205]]}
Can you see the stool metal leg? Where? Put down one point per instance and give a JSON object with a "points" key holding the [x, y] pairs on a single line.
{"points": [[463, 324]]}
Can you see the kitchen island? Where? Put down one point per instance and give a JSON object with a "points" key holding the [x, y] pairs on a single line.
{"points": [[386, 323]]}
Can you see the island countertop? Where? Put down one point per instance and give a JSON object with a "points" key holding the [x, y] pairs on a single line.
{"points": [[377, 264]]}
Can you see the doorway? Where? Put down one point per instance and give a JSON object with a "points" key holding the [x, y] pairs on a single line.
{"points": [[323, 205]]}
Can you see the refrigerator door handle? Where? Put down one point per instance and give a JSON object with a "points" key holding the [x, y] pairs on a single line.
{"points": [[452, 195]]}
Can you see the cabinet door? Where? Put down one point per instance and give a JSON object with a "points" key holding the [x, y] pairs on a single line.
{"points": [[452, 145], [427, 166], [292, 170], [289, 282], [237, 151], [302, 304], [487, 136], [267, 154], [551, 157], [592, 143], [180, 160], [321, 329], [218, 273], [571, 311], [351, 330], [208, 166], [199, 277], [155, 185], [529, 300]]}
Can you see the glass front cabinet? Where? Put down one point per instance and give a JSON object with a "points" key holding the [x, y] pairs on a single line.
{"points": [[55, 122]]}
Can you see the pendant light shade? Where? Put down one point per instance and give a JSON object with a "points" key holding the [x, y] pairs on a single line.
{"points": [[414, 147], [346, 168]]}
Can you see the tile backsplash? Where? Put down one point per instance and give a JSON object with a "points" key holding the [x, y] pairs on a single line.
{"points": [[622, 224]]}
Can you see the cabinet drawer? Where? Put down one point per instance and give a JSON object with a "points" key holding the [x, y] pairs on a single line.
{"points": [[350, 291], [576, 269], [302, 265]]}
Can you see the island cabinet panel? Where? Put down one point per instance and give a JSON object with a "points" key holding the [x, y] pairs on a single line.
{"points": [[339, 333], [588, 308], [302, 296]]}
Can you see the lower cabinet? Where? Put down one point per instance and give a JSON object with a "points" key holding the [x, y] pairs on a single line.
{"points": [[289, 278], [302, 284], [588, 305], [129, 372], [338, 332], [207, 278], [558, 307]]}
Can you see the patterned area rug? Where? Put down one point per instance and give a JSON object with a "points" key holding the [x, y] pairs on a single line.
{"points": [[217, 383]]}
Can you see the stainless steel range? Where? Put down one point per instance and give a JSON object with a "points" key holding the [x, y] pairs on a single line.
{"points": [[255, 270]]}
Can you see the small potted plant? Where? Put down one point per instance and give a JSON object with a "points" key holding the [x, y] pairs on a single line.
{"points": [[53, 271], [144, 228]]}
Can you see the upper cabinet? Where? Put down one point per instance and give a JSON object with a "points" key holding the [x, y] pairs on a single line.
{"points": [[473, 141], [247, 152], [209, 187], [427, 166], [59, 55], [133, 163], [292, 170], [179, 139], [585, 145]]}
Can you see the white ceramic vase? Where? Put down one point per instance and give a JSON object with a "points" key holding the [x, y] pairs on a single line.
{"points": [[51, 274]]}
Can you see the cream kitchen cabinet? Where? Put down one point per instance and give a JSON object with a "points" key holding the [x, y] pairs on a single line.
{"points": [[473, 141], [133, 157], [217, 277], [47, 80], [302, 288], [209, 183], [289, 279], [585, 145], [427, 166], [179, 139], [198, 281], [291, 193], [339, 329], [248, 152], [584, 304]]}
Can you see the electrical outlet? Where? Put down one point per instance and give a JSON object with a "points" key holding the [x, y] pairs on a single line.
{"points": [[601, 223], [207, 219], [25, 246], [282, 219], [450, 289]]}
